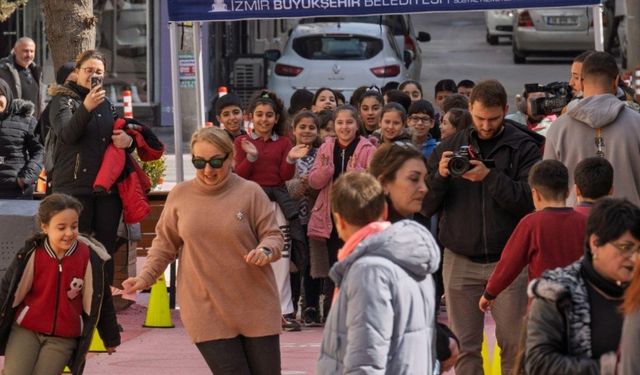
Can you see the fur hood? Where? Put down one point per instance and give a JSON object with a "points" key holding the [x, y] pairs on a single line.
{"points": [[62, 90]]}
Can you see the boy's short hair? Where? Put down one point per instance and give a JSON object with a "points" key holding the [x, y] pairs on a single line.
{"points": [[594, 177], [445, 85], [551, 179], [422, 106], [455, 101], [227, 101], [358, 198], [466, 83]]}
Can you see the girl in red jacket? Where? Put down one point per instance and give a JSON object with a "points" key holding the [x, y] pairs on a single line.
{"points": [[53, 296]]}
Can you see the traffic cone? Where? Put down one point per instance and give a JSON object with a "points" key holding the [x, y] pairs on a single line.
{"points": [[97, 345], [126, 101], [158, 314], [496, 365], [222, 91], [41, 186], [486, 362]]}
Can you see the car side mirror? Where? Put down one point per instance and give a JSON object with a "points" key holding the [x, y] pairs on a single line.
{"points": [[408, 57], [272, 54], [424, 37]]}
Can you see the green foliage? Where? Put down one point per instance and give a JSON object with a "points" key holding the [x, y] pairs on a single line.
{"points": [[153, 169]]}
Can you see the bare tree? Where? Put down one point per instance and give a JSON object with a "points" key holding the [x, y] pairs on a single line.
{"points": [[8, 7], [70, 28]]}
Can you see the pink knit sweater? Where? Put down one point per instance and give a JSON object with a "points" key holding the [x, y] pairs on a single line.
{"points": [[212, 229]]}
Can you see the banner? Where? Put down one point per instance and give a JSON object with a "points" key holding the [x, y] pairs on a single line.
{"points": [[228, 10]]}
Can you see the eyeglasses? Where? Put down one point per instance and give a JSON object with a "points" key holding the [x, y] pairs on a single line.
{"points": [[425, 119], [627, 250], [90, 70], [215, 163]]}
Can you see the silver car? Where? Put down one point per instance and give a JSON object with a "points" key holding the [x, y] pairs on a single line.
{"points": [[339, 55], [563, 31]]}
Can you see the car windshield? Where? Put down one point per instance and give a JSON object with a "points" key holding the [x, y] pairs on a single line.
{"points": [[337, 47]]}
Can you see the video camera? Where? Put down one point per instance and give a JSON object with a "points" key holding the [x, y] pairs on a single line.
{"points": [[459, 163], [556, 96]]}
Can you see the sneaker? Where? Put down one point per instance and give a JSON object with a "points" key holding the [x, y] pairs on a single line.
{"points": [[290, 325], [311, 318]]}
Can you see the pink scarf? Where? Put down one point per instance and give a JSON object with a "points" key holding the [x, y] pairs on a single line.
{"points": [[356, 238]]}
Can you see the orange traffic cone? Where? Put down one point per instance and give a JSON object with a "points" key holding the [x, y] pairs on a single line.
{"points": [[158, 313], [41, 186]]}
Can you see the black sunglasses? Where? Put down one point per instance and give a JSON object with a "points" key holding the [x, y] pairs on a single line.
{"points": [[216, 163]]}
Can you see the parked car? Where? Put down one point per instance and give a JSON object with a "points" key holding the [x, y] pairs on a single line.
{"points": [[499, 23], [402, 28], [339, 55], [555, 31]]}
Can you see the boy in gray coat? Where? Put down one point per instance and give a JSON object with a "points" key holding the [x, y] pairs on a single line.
{"points": [[383, 316]]}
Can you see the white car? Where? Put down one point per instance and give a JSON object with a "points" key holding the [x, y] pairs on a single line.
{"points": [[402, 28], [342, 56], [499, 23]]}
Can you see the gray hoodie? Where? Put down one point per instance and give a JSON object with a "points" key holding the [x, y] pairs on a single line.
{"points": [[572, 139], [383, 320]]}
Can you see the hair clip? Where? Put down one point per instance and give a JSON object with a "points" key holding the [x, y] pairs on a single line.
{"points": [[374, 88], [265, 94]]}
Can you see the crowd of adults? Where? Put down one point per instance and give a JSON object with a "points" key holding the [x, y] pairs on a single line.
{"points": [[327, 212]]}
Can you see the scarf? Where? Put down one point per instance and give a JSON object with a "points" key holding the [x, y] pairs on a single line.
{"points": [[355, 239]]}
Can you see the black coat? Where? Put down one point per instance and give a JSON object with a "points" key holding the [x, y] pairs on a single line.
{"points": [[103, 315], [20, 150], [478, 217], [82, 138]]}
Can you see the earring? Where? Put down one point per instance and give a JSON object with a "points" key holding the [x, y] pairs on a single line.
{"points": [[594, 256]]}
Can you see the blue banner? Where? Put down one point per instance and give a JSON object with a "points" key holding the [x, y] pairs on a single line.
{"points": [[228, 10]]}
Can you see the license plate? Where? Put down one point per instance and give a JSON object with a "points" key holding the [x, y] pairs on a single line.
{"points": [[562, 20]]}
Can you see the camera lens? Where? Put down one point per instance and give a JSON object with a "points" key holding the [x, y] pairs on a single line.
{"points": [[458, 165]]}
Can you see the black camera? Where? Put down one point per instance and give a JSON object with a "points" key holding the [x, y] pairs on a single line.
{"points": [[556, 96], [459, 163]]}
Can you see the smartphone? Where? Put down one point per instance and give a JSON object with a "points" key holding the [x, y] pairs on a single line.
{"points": [[96, 81]]}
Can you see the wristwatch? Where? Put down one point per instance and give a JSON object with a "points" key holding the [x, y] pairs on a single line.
{"points": [[266, 251]]}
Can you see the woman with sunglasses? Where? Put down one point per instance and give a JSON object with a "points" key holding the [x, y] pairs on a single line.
{"points": [[81, 120], [227, 290], [574, 323]]}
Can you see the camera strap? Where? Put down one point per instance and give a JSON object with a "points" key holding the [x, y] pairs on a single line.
{"points": [[599, 143]]}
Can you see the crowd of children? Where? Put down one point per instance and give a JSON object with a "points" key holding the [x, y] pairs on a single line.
{"points": [[348, 180]]}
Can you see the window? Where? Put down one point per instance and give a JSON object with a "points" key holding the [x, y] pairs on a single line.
{"points": [[337, 47], [122, 36]]}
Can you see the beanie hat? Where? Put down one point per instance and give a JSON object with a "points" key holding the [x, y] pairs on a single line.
{"points": [[301, 99], [64, 71]]}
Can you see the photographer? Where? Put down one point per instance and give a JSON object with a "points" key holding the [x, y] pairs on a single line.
{"points": [[528, 113], [480, 208], [602, 125]]}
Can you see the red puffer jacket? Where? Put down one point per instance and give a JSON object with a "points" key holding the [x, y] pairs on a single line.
{"points": [[118, 166]]}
